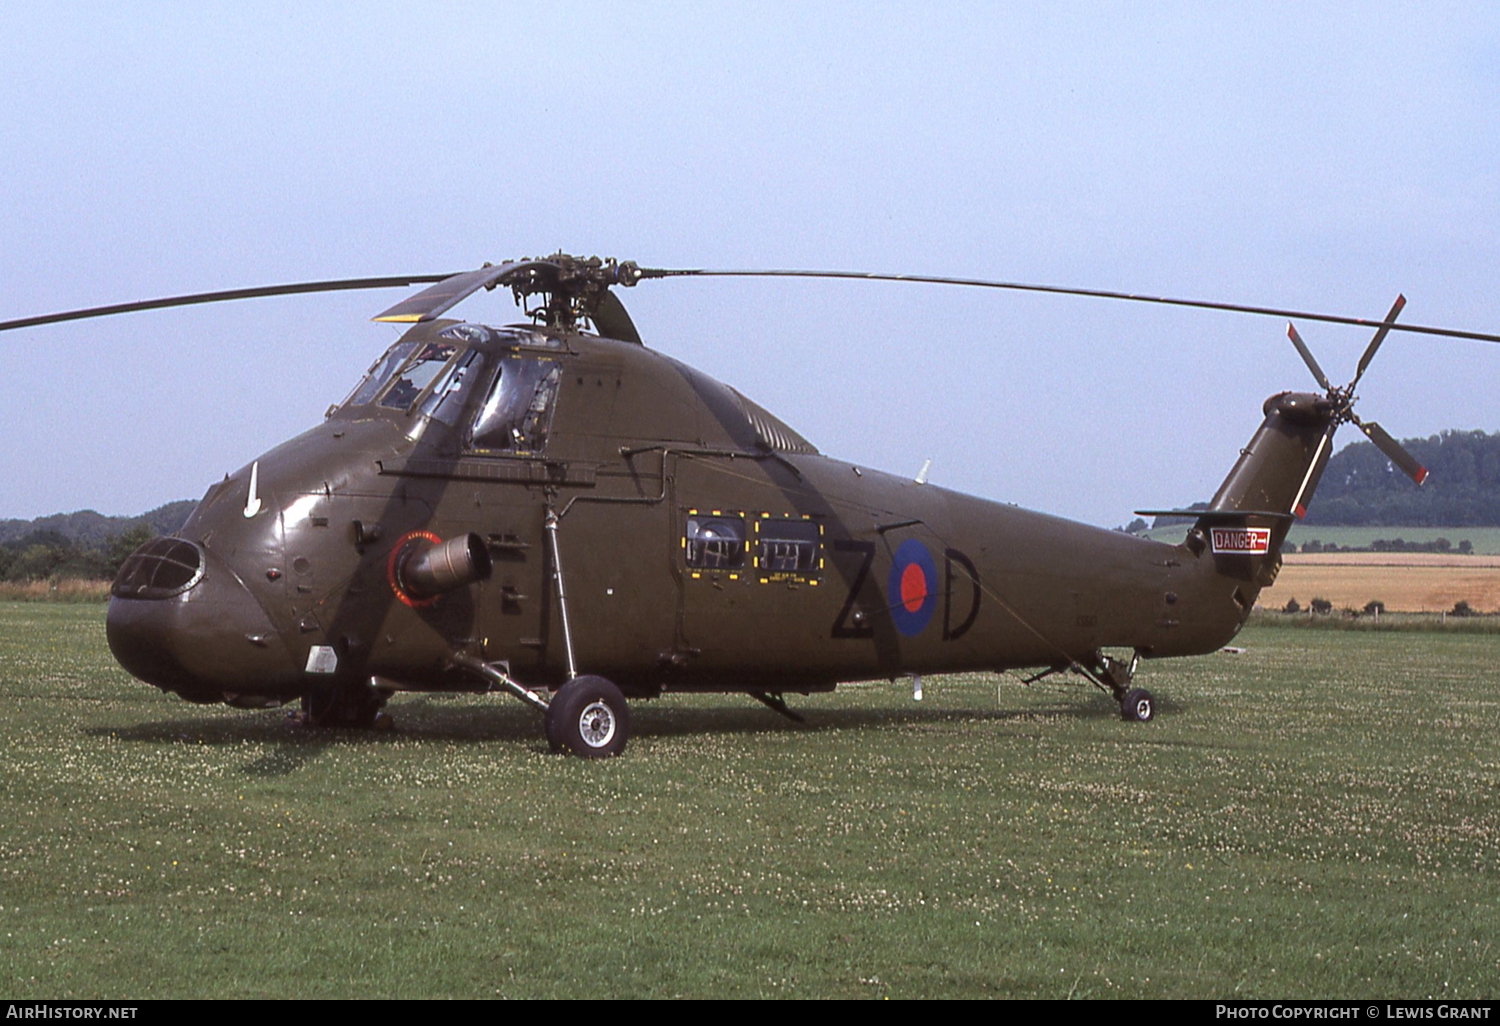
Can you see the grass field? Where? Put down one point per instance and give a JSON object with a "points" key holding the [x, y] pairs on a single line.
{"points": [[1314, 817]]}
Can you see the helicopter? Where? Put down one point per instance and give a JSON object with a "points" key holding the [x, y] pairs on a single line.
{"points": [[553, 510]]}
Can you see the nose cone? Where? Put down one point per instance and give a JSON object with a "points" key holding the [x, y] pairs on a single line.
{"points": [[182, 621]]}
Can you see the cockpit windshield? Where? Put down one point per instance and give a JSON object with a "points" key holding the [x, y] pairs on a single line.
{"points": [[379, 373], [435, 379], [417, 374], [406, 370]]}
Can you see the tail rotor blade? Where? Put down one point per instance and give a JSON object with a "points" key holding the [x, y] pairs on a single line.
{"points": [[1393, 450], [1307, 357], [1380, 334]]}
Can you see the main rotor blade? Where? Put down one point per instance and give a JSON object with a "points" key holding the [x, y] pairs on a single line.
{"points": [[1059, 290], [260, 292], [433, 304], [1307, 357], [1380, 334], [1393, 450], [436, 299]]}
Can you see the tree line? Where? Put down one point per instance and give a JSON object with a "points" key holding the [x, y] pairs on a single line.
{"points": [[1360, 487], [83, 545], [50, 555]]}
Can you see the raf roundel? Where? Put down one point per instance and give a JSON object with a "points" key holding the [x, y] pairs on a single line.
{"points": [[912, 588]]}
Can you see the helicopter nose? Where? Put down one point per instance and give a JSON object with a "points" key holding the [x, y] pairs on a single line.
{"points": [[182, 621]]}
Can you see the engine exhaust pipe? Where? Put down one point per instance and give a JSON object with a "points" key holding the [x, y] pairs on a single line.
{"points": [[426, 570]]}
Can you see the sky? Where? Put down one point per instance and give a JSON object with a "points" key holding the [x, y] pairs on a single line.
{"points": [[1321, 157]]}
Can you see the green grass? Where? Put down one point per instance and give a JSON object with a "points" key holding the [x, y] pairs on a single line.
{"points": [[1486, 540], [1315, 817]]}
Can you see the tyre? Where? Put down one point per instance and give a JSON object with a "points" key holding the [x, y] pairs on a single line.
{"points": [[588, 717], [1138, 706]]}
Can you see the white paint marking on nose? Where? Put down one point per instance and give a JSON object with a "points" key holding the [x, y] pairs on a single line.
{"points": [[252, 501]]}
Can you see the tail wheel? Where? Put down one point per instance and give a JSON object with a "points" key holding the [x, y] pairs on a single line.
{"points": [[1137, 706], [588, 717]]}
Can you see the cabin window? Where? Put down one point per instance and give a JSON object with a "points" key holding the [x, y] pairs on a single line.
{"points": [[418, 374], [715, 541], [786, 546], [518, 409]]}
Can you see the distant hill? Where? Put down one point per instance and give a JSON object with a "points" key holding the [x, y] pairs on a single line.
{"points": [[89, 530], [1360, 488]]}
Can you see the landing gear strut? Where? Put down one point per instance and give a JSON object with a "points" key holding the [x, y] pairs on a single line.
{"points": [[773, 700], [1115, 675], [588, 715]]}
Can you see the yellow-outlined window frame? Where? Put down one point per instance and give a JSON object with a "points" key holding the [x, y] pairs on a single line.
{"points": [[810, 577], [698, 573]]}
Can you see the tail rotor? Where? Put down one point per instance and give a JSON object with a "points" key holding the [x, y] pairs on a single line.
{"points": [[1343, 398]]}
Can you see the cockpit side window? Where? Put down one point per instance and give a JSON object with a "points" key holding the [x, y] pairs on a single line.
{"points": [[517, 412], [446, 400]]}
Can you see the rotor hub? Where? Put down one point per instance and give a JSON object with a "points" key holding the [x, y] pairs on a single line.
{"points": [[572, 286]]}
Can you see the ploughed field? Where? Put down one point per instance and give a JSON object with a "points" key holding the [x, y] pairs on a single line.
{"points": [[1414, 582], [1312, 817]]}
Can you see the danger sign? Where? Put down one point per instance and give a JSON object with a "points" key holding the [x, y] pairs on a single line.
{"points": [[1249, 540]]}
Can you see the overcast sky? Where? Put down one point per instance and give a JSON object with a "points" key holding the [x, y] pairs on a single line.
{"points": [[1321, 157]]}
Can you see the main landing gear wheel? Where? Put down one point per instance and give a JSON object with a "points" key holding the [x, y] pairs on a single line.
{"points": [[589, 718], [1137, 706]]}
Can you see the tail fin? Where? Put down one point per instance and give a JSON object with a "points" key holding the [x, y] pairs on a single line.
{"points": [[1278, 471], [1268, 489]]}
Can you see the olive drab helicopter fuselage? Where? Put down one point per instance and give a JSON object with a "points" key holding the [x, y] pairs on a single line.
{"points": [[556, 512]]}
